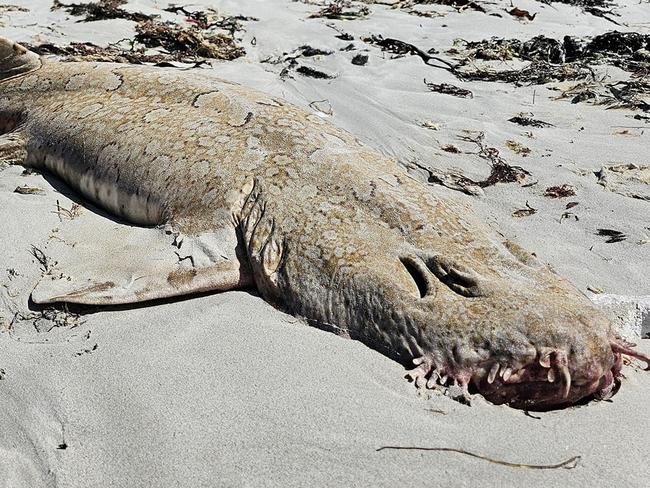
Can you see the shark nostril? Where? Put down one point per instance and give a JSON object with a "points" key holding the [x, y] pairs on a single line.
{"points": [[458, 278], [420, 274]]}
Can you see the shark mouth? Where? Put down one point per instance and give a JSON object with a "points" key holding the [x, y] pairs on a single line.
{"points": [[543, 384]]}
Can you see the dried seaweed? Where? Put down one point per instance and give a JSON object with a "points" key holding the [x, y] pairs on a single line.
{"points": [[536, 73], [568, 464], [626, 50], [29, 190], [186, 43], [597, 8], [339, 10], [560, 191], [501, 172], [13, 8], [360, 59], [459, 5], [181, 44], [524, 212], [518, 148], [451, 180], [522, 14], [314, 73], [527, 120], [101, 10], [631, 94], [210, 19], [86, 51], [448, 89], [612, 235], [290, 62], [401, 48]]}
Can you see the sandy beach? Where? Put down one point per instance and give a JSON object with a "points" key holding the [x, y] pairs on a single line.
{"points": [[223, 389]]}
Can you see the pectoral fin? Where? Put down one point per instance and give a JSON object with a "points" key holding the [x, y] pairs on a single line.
{"points": [[96, 261]]}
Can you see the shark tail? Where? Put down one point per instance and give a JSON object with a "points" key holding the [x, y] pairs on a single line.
{"points": [[15, 60]]}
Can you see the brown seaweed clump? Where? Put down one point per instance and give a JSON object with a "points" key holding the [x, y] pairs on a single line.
{"points": [[184, 42]]}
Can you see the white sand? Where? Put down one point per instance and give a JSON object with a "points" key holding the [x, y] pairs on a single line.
{"points": [[223, 390]]}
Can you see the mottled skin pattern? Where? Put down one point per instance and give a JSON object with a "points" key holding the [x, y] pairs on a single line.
{"points": [[329, 229]]}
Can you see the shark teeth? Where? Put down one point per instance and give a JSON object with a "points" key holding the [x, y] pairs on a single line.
{"points": [[493, 373]]}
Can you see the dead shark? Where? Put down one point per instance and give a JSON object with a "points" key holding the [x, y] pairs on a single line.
{"points": [[226, 187]]}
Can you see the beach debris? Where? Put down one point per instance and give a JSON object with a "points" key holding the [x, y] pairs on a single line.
{"points": [[450, 148], [341, 10], [560, 191], [568, 464], [627, 179], [187, 43], [345, 37], [429, 124], [522, 14], [459, 5], [211, 19], [524, 212], [597, 8], [527, 120], [571, 205], [536, 73], [631, 94], [13, 8], [501, 172], [52, 317], [360, 59], [323, 107], [622, 49], [451, 180], [518, 148], [314, 73], [100, 10], [290, 63], [612, 235], [72, 213], [448, 89], [595, 289], [29, 190], [87, 350], [43, 260], [568, 215], [86, 51], [566, 59], [401, 48]]}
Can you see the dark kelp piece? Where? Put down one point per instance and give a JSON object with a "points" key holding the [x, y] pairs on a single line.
{"points": [[449, 89], [101, 10]]}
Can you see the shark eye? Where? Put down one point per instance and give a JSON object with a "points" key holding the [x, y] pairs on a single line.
{"points": [[420, 274]]}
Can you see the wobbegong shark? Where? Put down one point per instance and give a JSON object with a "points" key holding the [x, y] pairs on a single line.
{"points": [[217, 187]]}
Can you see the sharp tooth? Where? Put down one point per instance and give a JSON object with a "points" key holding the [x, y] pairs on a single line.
{"points": [[566, 376], [493, 373], [433, 379], [550, 376], [506, 374]]}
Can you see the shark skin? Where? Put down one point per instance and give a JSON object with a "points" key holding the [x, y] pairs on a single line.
{"points": [[322, 226]]}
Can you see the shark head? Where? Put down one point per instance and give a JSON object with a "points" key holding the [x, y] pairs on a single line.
{"points": [[514, 332], [486, 320]]}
